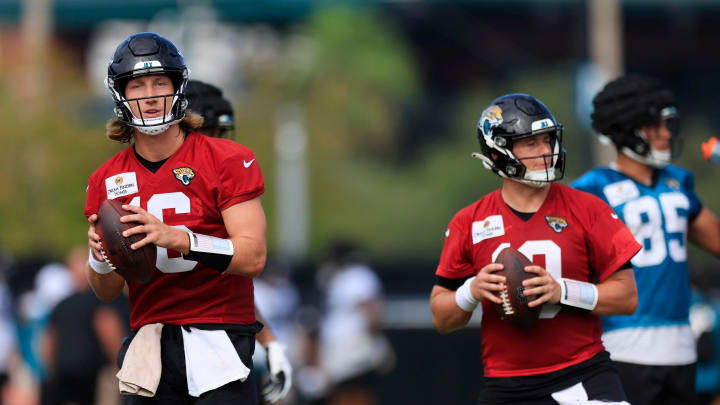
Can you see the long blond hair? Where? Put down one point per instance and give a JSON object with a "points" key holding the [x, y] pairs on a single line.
{"points": [[119, 131]]}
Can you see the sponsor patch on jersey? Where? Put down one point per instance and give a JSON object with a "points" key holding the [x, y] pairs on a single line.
{"points": [[489, 227], [184, 174], [556, 223], [542, 124], [621, 192], [121, 184]]}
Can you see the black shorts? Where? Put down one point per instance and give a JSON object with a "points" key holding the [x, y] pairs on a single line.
{"points": [[658, 385], [59, 390], [597, 375], [173, 388]]}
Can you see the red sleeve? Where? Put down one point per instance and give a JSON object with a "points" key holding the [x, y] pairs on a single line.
{"points": [[456, 260], [93, 197], [610, 242], [240, 179]]}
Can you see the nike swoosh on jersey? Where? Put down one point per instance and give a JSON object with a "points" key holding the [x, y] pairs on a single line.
{"points": [[247, 164]]}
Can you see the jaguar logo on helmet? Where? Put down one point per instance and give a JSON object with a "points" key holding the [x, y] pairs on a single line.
{"points": [[491, 118]]}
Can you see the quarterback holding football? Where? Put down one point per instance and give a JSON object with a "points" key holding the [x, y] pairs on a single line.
{"points": [[196, 201], [580, 253]]}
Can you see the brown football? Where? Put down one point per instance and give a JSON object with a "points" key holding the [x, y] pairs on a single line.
{"points": [[514, 308], [134, 265]]}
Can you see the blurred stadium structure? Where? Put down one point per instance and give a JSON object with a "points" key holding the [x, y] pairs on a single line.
{"points": [[386, 95]]}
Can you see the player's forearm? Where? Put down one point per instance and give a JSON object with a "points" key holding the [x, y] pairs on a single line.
{"points": [[249, 257], [265, 335], [704, 231], [447, 316], [107, 287], [617, 295], [246, 257]]}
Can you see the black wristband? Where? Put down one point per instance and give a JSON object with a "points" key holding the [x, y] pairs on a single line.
{"points": [[214, 261]]}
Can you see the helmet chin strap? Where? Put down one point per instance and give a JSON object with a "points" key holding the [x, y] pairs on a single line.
{"points": [[150, 129], [532, 178], [155, 129], [661, 157], [538, 178], [655, 158]]}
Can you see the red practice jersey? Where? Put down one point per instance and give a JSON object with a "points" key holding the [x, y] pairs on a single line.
{"points": [[573, 235], [191, 189]]}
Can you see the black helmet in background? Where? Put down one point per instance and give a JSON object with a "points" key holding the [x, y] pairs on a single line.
{"points": [[628, 103], [208, 101]]}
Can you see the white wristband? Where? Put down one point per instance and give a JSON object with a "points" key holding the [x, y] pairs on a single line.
{"points": [[464, 298], [99, 267], [578, 294], [210, 244]]}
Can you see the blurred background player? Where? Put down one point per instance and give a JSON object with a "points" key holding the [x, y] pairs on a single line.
{"points": [[208, 101], [705, 323], [82, 339], [655, 349], [8, 328], [353, 350], [562, 359], [197, 200]]}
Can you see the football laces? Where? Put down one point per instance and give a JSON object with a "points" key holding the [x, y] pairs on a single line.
{"points": [[112, 266], [507, 306]]}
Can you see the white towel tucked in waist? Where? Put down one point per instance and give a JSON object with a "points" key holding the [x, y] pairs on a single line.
{"points": [[211, 360]]}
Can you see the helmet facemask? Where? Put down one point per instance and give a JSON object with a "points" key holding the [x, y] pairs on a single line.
{"points": [[640, 149], [502, 161], [144, 54], [156, 125], [554, 163]]}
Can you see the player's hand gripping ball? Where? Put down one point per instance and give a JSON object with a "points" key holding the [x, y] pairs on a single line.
{"points": [[135, 265], [514, 308]]}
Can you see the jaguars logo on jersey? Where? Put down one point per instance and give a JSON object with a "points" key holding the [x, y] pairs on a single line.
{"points": [[184, 174], [556, 223]]}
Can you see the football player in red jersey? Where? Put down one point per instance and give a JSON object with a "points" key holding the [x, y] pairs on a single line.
{"points": [[217, 112], [197, 199], [580, 252]]}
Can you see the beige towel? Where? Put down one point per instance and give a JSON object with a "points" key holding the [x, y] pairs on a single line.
{"points": [[142, 366]]}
